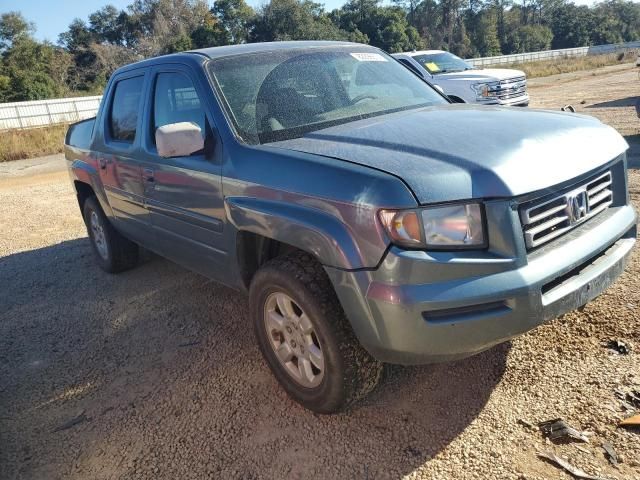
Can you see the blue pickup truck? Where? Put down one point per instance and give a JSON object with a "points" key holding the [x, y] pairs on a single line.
{"points": [[367, 218]]}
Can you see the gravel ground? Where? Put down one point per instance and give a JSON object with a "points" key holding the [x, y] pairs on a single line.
{"points": [[154, 373]]}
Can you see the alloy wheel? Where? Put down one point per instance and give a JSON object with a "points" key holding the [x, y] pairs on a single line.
{"points": [[99, 238], [293, 339]]}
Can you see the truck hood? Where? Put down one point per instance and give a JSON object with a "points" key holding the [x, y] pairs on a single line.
{"points": [[455, 152], [477, 75]]}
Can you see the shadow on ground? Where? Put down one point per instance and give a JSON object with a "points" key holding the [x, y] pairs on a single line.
{"points": [[633, 154], [621, 102], [160, 367]]}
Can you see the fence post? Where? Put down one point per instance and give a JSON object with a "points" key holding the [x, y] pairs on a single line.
{"points": [[75, 107], [18, 117], [46, 106]]}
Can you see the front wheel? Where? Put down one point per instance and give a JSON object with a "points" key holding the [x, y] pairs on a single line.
{"points": [[305, 337]]}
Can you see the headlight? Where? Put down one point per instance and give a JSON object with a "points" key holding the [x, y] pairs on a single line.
{"points": [[481, 89], [446, 227], [403, 226], [486, 91]]}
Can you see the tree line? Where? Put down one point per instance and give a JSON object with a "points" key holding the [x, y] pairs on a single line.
{"points": [[90, 50]]}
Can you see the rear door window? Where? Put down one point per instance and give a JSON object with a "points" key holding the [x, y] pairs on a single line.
{"points": [[125, 107]]}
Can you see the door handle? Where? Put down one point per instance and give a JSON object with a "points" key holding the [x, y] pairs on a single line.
{"points": [[103, 163], [148, 175]]}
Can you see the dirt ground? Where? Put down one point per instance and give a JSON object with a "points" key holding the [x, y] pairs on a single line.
{"points": [[154, 373], [609, 93]]}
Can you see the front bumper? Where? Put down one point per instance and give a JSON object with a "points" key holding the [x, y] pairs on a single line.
{"points": [[521, 101], [452, 307]]}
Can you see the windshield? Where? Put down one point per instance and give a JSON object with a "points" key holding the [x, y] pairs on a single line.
{"points": [[444, 62], [285, 94]]}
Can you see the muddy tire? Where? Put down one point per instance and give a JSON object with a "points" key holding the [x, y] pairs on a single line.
{"points": [[114, 253], [306, 338]]}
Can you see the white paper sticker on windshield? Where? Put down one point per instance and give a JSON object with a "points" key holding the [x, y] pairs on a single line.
{"points": [[368, 57]]}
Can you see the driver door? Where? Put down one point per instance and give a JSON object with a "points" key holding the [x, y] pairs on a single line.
{"points": [[184, 194]]}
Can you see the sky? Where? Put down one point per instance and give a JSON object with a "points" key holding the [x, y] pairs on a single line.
{"points": [[52, 17]]}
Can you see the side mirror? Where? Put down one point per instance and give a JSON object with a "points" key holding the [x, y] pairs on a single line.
{"points": [[179, 139]]}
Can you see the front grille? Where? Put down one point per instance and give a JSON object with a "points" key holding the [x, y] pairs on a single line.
{"points": [[542, 222], [511, 88]]}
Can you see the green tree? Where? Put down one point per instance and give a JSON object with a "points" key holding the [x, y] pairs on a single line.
{"points": [[485, 39], [108, 25], [428, 22], [616, 21], [179, 44], [572, 26], [543, 11], [294, 20], [77, 37], [411, 9], [451, 23], [210, 35], [29, 70], [13, 26], [159, 25], [26, 71], [529, 38], [235, 18], [385, 27], [499, 8]]}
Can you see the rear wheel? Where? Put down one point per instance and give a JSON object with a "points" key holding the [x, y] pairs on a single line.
{"points": [[114, 253], [305, 337]]}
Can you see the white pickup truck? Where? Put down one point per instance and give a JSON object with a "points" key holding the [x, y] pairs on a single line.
{"points": [[463, 83]]}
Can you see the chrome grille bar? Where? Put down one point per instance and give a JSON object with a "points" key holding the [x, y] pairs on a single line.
{"points": [[511, 88], [542, 222]]}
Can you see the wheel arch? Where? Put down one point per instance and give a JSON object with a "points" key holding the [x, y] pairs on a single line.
{"points": [[266, 229], [83, 192], [86, 182], [254, 250], [456, 99]]}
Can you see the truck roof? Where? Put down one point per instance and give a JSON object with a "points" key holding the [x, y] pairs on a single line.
{"points": [[419, 52], [245, 48], [216, 52]]}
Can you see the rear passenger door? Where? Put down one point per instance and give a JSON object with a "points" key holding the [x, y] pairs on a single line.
{"points": [[184, 194], [119, 167]]}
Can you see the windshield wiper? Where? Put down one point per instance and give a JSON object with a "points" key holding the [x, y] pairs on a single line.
{"points": [[302, 130]]}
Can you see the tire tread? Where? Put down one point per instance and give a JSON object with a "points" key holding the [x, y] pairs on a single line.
{"points": [[361, 371], [124, 253]]}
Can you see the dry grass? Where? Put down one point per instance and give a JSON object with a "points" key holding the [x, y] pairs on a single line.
{"points": [[574, 64], [35, 142]]}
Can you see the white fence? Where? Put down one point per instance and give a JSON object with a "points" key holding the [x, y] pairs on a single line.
{"points": [[65, 110], [40, 113], [551, 54]]}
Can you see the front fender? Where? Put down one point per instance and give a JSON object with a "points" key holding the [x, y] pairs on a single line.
{"points": [[306, 228]]}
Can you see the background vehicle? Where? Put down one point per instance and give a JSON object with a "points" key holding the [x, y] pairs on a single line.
{"points": [[334, 187], [465, 84]]}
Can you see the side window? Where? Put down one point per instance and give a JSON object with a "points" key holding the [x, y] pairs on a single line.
{"points": [[175, 101], [123, 117]]}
